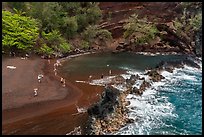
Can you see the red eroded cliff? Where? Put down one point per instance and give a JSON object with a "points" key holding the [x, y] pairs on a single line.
{"points": [[115, 13]]}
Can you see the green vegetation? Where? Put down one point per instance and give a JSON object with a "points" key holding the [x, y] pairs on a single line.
{"points": [[47, 27], [85, 44], [18, 32], [140, 30], [53, 42], [187, 24], [45, 50], [93, 33], [190, 22]]}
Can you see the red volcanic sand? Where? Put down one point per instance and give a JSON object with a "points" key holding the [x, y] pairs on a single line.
{"points": [[18, 84], [18, 90], [53, 111]]}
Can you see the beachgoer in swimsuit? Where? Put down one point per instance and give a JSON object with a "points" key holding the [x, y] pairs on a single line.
{"points": [[64, 83], [110, 72], [61, 80], [35, 92]]}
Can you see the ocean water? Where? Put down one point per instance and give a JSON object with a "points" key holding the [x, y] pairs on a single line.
{"points": [[172, 106]]}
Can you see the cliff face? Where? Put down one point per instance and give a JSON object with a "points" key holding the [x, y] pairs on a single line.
{"points": [[115, 13]]}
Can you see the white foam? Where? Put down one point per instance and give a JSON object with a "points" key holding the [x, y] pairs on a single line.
{"points": [[76, 131], [125, 76], [150, 108], [103, 81], [79, 81], [140, 73], [119, 87], [165, 74], [138, 83]]}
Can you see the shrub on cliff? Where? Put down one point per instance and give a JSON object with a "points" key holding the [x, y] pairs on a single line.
{"points": [[70, 27], [45, 50], [93, 33], [85, 44], [70, 18], [188, 24], [18, 32], [64, 47], [140, 30], [54, 42]]}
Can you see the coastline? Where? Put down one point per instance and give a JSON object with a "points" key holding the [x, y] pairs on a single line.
{"points": [[64, 103], [111, 122], [64, 98], [51, 93]]}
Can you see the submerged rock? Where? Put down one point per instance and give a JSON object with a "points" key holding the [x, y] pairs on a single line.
{"points": [[155, 76], [117, 80], [131, 81]]}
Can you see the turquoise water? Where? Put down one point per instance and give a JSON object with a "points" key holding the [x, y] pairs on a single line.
{"points": [[185, 93], [99, 62], [172, 106]]}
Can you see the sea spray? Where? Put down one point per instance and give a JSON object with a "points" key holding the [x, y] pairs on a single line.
{"points": [[165, 109], [154, 112]]}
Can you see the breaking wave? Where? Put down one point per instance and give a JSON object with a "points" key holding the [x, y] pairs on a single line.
{"points": [[171, 106]]}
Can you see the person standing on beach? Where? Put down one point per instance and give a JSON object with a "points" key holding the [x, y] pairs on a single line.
{"points": [[61, 80], [90, 77], [101, 75], [64, 83], [40, 76], [110, 72], [35, 92], [55, 70]]}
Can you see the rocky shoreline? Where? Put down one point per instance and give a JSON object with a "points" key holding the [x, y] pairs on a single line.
{"points": [[111, 113]]}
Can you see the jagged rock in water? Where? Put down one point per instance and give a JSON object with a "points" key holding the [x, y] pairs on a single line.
{"points": [[134, 90], [155, 76], [169, 65], [130, 120], [169, 69], [117, 80], [131, 80], [106, 105], [198, 42]]}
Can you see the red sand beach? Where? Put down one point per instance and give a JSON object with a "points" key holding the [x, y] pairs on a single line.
{"points": [[51, 112]]}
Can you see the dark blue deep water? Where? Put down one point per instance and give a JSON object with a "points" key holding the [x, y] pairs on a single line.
{"points": [[172, 106]]}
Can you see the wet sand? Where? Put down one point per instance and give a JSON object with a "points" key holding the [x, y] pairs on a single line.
{"points": [[54, 110], [19, 103]]}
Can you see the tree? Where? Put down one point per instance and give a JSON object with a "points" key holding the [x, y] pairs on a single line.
{"points": [[52, 42], [19, 6], [93, 33], [140, 29], [70, 27], [188, 27], [18, 32], [49, 14]]}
